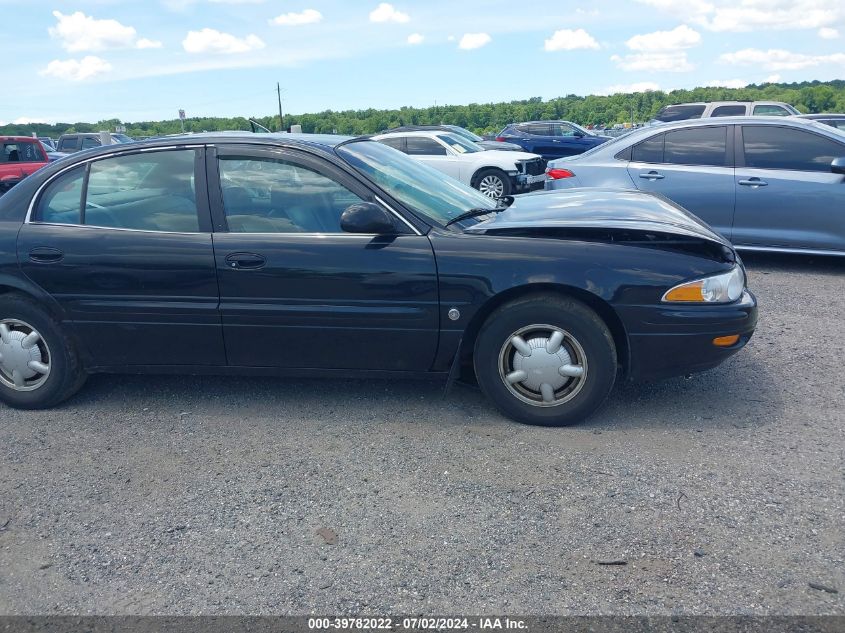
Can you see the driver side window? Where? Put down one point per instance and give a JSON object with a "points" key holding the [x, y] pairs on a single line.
{"points": [[267, 195]]}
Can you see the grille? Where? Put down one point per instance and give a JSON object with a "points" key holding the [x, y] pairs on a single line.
{"points": [[534, 167]]}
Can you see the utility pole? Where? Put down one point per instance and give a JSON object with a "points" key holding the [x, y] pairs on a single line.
{"points": [[281, 119]]}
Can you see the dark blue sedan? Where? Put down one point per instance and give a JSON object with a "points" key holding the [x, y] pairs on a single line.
{"points": [[551, 139]]}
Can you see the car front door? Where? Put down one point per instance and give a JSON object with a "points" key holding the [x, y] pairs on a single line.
{"points": [[567, 140], [299, 293], [692, 167], [124, 245], [786, 194]]}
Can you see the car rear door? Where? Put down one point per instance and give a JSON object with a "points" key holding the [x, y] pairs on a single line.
{"points": [[123, 243], [786, 194], [299, 293], [692, 167], [430, 151]]}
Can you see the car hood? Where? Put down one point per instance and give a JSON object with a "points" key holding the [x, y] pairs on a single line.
{"points": [[514, 156], [598, 208], [501, 146]]}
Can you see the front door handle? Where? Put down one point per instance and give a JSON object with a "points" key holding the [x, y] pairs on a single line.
{"points": [[652, 175], [45, 255], [753, 182], [245, 261]]}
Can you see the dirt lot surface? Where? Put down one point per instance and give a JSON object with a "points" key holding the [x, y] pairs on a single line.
{"points": [[722, 493]]}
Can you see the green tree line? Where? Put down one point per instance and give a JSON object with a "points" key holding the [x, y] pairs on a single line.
{"points": [[482, 118]]}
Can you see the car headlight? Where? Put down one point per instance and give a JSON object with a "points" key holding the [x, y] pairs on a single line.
{"points": [[723, 288]]}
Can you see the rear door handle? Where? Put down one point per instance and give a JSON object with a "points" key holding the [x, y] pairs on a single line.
{"points": [[245, 261], [46, 255], [652, 175], [753, 182]]}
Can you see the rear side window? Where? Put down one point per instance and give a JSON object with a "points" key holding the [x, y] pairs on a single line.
{"points": [[89, 142], [20, 152], [729, 110], [697, 146], [61, 201], [770, 110], [153, 191], [422, 146], [770, 147], [680, 113], [649, 151]]}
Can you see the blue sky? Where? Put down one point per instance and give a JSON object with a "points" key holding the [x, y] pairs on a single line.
{"points": [[87, 60]]}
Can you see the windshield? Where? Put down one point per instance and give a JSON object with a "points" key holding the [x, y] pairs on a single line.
{"points": [[416, 185], [460, 145], [464, 133], [121, 138]]}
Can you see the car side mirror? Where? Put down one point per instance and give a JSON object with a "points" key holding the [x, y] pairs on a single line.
{"points": [[578, 134], [838, 165], [366, 217]]}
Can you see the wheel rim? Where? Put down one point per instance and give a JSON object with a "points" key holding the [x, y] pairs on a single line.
{"points": [[492, 186], [543, 365], [24, 356]]}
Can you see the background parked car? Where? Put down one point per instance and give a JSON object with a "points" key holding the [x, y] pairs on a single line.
{"points": [[462, 132], [764, 183], [48, 143], [833, 120], [495, 174], [20, 156], [701, 110], [70, 143], [551, 139]]}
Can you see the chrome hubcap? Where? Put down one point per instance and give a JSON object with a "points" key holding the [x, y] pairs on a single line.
{"points": [[24, 356], [543, 365], [492, 186]]}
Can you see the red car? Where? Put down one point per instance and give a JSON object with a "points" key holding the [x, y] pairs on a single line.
{"points": [[20, 156]]}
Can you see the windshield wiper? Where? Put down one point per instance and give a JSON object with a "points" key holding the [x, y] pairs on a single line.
{"points": [[474, 213]]}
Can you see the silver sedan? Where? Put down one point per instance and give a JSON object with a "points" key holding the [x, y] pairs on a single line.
{"points": [[765, 183]]}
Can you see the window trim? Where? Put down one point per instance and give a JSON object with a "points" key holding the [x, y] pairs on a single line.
{"points": [[740, 147], [322, 166], [200, 187]]}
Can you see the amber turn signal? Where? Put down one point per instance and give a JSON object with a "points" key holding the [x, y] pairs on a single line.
{"points": [[726, 341]]}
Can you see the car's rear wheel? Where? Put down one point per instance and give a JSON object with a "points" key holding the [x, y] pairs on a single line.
{"points": [[493, 183], [546, 360], [39, 367]]}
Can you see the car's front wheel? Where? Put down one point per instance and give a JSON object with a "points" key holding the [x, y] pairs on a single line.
{"points": [[493, 183], [39, 367], [546, 360]]}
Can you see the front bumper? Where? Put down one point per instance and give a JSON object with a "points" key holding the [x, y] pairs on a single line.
{"points": [[673, 340], [524, 183]]}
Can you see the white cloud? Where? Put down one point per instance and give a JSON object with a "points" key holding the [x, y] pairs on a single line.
{"points": [[146, 43], [827, 33], [675, 62], [726, 83], [26, 121], [308, 16], [773, 79], [213, 41], [752, 15], [76, 69], [640, 86], [78, 32], [569, 40], [779, 59], [471, 41], [676, 39], [416, 38], [387, 13]]}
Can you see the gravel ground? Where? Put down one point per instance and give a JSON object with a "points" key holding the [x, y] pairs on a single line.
{"points": [[723, 493]]}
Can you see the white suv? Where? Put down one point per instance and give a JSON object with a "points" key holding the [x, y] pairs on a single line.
{"points": [[494, 173], [701, 110]]}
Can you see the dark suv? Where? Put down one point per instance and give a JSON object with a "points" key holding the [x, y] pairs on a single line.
{"points": [[551, 139], [70, 143]]}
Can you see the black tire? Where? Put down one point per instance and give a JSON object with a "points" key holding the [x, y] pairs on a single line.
{"points": [[587, 338], [492, 172], [66, 375]]}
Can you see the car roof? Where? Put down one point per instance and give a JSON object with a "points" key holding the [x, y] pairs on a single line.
{"points": [[823, 115], [17, 139], [422, 133]]}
